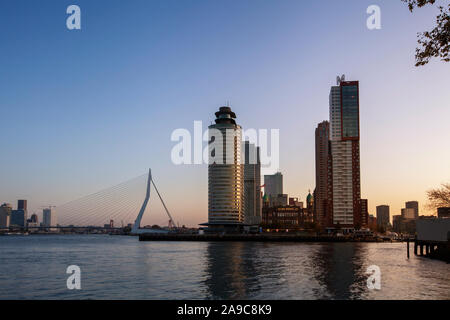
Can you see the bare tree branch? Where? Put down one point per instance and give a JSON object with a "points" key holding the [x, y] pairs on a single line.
{"points": [[434, 43], [439, 197]]}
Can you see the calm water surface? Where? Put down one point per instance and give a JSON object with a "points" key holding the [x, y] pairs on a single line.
{"points": [[121, 267]]}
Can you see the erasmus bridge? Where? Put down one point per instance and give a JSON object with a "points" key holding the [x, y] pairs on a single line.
{"points": [[125, 203]]}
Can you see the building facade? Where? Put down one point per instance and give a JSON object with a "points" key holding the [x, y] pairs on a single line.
{"points": [[273, 184], [443, 212], [285, 218], [22, 205], [252, 184], [383, 216], [49, 217], [345, 184], [225, 172], [408, 213], [322, 142], [5, 215], [413, 205], [18, 218]]}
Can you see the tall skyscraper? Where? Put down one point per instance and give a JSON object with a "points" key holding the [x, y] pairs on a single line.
{"points": [[322, 179], [48, 217], [413, 205], [345, 170], [252, 184], [225, 172], [383, 216], [22, 205]]}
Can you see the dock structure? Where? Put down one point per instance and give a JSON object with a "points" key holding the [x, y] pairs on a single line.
{"points": [[433, 239], [432, 249]]}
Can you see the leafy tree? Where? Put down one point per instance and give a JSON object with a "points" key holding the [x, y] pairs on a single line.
{"points": [[439, 197], [434, 43]]}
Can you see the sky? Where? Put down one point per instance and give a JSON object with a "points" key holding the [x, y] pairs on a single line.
{"points": [[83, 110]]}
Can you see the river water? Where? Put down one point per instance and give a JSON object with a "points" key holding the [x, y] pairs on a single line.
{"points": [[121, 267]]}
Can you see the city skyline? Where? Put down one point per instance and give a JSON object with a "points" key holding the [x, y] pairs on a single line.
{"points": [[77, 129]]}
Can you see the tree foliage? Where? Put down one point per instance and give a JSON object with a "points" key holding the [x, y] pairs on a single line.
{"points": [[434, 43], [439, 197]]}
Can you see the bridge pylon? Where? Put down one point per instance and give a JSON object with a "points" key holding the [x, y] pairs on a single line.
{"points": [[137, 224]]}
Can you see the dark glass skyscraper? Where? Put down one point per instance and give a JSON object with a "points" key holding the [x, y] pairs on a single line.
{"points": [[322, 169]]}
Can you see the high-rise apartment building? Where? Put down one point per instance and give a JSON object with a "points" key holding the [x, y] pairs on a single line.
{"points": [[252, 184], [225, 172], [383, 216], [322, 172], [345, 184]]}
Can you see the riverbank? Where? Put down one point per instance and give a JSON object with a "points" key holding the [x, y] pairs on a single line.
{"points": [[269, 237]]}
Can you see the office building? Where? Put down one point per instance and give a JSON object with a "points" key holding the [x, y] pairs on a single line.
{"points": [[372, 223], [345, 190], [383, 217], [22, 205], [5, 215], [273, 190], [443, 212], [48, 217], [18, 218], [273, 184], [252, 184], [322, 139], [413, 205], [409, 213], [226, 211], [403, 225]]}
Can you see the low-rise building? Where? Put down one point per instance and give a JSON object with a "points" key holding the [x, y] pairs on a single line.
{"points": [[285, 218], [443, 212], [404, 225]]}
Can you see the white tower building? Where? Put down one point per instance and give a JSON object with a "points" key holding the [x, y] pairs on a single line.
{"points": [[225, 173]]}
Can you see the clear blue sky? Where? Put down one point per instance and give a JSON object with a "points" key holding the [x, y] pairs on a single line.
{"points": [[83, 110]]}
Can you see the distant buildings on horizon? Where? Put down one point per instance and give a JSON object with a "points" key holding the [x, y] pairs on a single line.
{"points": [[18, 218]]}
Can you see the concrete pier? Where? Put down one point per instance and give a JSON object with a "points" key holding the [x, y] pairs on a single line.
{"points": [[432, 249]]}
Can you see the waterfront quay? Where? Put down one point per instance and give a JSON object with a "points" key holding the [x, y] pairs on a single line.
{"points": [[433, 249], [264, 237]]}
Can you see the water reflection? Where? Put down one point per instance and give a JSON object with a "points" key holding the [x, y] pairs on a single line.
{"points": [[299, 271], [123, 268], [230, 269], [340, 269]]}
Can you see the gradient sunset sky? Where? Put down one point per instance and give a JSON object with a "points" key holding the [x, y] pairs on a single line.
{"points": [[84, 110]]}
